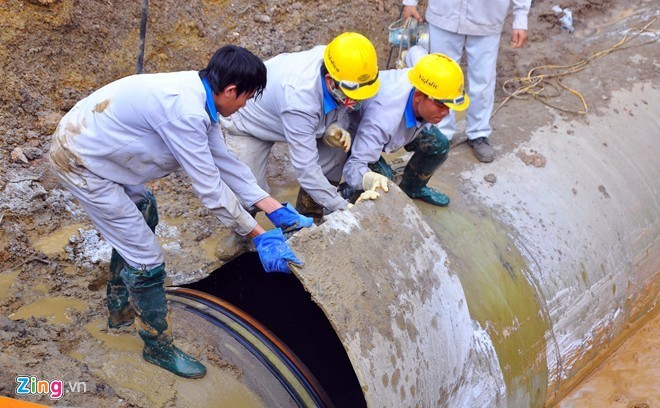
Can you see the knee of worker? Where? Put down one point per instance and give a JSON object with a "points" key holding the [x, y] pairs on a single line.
{"points": [[382, 167], [136, 193], [430, 141], [144, 280]]}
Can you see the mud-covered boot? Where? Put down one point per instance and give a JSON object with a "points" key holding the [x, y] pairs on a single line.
{"points": [[120, 311], [147, 292], [431, 149], [306, 206], [348, 192]]}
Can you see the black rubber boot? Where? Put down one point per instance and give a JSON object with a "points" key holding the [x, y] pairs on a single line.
{"points": [[348, 192], [147, 294], [431, 149], [120, 311]]}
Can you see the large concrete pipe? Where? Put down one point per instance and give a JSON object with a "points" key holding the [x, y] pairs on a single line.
{"points": [[506, 297]]}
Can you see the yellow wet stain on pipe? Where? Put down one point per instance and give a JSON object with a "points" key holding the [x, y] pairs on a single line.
{"points": [[496, 281], [54, 309]]}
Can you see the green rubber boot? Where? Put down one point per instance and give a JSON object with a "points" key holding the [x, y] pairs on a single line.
{"points": [[120, 311], [382, 167], [147, 293], [431, 149]]}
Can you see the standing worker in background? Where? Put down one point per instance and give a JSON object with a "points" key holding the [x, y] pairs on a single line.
{"points": [[476, 25], [306, 105], [141, 128], [400, 115]]}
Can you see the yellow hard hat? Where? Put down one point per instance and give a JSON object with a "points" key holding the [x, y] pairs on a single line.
{"points": [[351, 61], [441, 79]]}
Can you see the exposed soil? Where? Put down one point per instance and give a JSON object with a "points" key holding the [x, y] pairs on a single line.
{"points": [[55, 52]]}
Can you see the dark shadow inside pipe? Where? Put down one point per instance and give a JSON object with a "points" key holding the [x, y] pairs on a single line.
{"points": [[280, 302]]}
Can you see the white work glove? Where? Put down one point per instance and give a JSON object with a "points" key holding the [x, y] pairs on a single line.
{"points": [[373, 181], [368, 195], [336, 136], [365, 196]]}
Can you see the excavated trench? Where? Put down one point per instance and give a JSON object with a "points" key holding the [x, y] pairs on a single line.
{"points": [[511, 296], [545, 261]]}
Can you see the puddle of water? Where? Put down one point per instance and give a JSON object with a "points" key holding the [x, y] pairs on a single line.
{"points": [[54, 309], [42, 287], [120, 341], [70, 270], [54, 243], [210, 246], [77, 356], [6, 280], [628, 378], [285, 192]]}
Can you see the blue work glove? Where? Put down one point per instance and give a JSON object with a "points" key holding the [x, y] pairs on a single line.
{"points": [[288, 219], [274, 253]]}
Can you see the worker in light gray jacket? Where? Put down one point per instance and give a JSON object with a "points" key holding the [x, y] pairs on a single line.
{"points": [[305, 104], [475, 25], [401, 115], [141, 128]]}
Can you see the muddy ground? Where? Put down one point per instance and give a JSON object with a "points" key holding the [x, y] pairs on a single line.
{"points": [[55, 52]]}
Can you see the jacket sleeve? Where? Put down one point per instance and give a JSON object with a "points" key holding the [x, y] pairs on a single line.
{"points": [[299, 130], [368, 143], [520, 12], [187, 139], [234, 172]]}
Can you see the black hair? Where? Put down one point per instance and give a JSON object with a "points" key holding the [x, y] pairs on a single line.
{"points": [[234, 65]]}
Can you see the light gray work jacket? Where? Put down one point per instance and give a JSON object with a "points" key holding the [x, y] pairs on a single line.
{"points": [[292, 110], [385, 123], [475, 17], [143, 127]]}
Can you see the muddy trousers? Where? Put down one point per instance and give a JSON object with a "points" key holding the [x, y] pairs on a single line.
{"points": [[431, 149], [146, 288], [119, 308]]}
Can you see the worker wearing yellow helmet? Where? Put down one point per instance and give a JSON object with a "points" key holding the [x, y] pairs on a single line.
{"points": [[403, 114], [305, 104]]}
